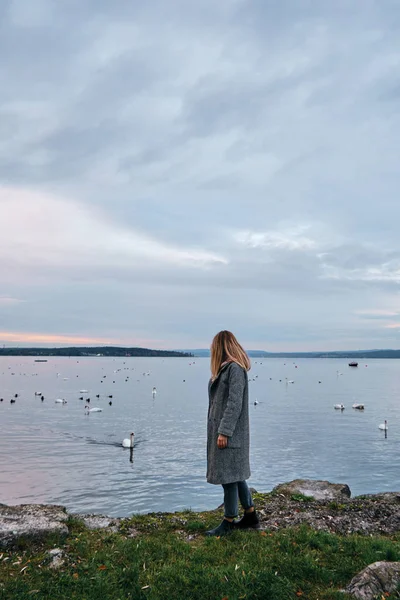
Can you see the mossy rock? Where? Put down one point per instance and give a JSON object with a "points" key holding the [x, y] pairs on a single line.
{"points": [[319, 490]]}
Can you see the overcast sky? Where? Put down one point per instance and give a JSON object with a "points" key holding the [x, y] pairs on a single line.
{"points": [[172, 168]]}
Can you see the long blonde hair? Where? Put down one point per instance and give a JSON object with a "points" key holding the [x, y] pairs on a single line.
{"points": [[226, 348]]}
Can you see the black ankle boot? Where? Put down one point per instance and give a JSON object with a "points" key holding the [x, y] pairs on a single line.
{"points": [[224, 528], [248, 521]]}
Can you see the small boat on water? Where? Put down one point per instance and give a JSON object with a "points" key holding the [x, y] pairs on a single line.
{"points": [[353, 364]]}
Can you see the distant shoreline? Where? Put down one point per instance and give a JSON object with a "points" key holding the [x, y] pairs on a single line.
{"points": [[342, 354], [101, 351], [122, 352]]}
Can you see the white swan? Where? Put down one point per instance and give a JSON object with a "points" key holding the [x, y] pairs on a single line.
{"points": [[94, 409], [128, 442], [358, 406], [83, 391], [339, 407], [60, 401], [384, 426]]}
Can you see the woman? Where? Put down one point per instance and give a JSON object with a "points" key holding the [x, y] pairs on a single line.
{"points": [[228, 435]]}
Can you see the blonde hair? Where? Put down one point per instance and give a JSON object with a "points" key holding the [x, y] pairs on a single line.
{"points": [[226, 348]]}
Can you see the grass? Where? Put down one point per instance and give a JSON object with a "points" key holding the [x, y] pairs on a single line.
{"points": [[169, 558]]}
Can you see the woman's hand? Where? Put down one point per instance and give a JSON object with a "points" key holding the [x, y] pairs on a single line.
{"points": [[222, 441]]}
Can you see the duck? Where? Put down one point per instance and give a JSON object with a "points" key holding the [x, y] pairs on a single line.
{"points": [[255, 402], [154, 391], [60, 401], [12, 401], [110, 403], [339, 407], [384, 426], [128, 442]]}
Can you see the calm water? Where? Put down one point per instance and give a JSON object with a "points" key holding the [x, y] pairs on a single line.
{"points": [[55, 453]]}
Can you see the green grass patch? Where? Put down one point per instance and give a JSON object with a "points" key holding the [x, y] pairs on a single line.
{"points": [[171, 558], [302, 498]]}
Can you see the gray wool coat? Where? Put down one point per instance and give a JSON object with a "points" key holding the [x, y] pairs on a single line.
{"points": [[228, 414]]}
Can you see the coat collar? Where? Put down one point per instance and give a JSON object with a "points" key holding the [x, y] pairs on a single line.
{"points": [[222, 369]]}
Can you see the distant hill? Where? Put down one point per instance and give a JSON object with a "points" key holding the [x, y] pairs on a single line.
{"points": [[334, 354], [91, 351]]}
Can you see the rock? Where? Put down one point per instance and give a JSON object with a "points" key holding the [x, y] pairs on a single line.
{"points": [[99, 522], [57, 558], [319, 490], [31, 521], [375, 580]]}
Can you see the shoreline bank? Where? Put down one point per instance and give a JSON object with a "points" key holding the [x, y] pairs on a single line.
{"points": [[321, 505]]}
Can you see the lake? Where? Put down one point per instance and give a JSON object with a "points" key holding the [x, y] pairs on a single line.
{"points": [[54, 453]]}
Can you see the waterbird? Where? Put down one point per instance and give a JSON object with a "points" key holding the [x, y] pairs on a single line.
{"points": [[255, 402], [358, 406], [60, 401], [339, 407], [384, 426], [12, 401], [128, 442], [110, 403], [81, 398], [1, 399], [110, 396], [42, 398], [94, 409], [154, 391], [97, 395], [15, 395]]}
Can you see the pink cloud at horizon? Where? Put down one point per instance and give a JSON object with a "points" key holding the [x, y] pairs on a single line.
{"points": [[76, 340]]}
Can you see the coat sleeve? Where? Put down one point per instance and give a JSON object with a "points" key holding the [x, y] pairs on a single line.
{"points": [[237, 383]]}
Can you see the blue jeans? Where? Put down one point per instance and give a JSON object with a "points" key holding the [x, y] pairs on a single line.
{"points": [[239, 490]]}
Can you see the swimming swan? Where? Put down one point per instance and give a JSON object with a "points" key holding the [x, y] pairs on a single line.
{"points": [[94, 409], [384, 426], [358, 406], [60, 401], [128, 442], [339, 407]]}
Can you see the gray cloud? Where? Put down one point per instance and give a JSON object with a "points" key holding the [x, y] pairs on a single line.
{"points": [[247, 151]]}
